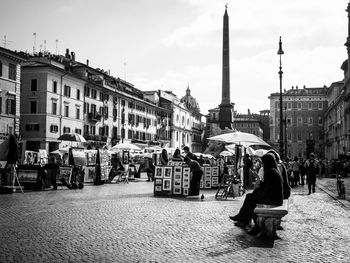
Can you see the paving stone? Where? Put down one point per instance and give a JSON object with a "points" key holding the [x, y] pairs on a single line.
{"points": [[127, 223]]}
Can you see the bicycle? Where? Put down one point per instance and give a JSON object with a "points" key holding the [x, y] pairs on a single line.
{"points": [[340, 187]]}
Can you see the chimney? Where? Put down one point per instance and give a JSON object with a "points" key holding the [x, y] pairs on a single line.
{"points": [[67, 53], [87, 62]]}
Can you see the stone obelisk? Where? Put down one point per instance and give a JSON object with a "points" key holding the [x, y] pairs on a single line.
{"points": [[225, 112]]}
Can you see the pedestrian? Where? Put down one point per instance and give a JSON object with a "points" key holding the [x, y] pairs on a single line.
{"points": [[270, 192], [189, 154], [311, 166], [52, 170], [164, 157], [247, 165], [12, 159], [295, 165], [196, 173]]}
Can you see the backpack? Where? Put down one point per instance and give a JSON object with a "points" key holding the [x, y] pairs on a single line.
{"points": [[311, 169]]}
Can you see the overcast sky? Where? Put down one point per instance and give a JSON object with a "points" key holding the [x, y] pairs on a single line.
{"points": [[166, 44]]}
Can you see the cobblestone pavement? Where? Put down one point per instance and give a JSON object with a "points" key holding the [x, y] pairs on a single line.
{"points": [[126, 223]]}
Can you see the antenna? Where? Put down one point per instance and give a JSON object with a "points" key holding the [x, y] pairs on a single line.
{"points": [[5, 41], [34, 45], [44, 46], [56, 46], [125, 71]]}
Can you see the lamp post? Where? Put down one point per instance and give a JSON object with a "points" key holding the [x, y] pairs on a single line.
{"points": [[280, 53]]}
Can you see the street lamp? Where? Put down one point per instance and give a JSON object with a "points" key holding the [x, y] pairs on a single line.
{"points": [[280, 53]]}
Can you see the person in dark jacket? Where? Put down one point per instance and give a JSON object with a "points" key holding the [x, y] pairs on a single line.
{"points": [[189, 154], [12, 158], [52, 169], [164, 157], [196, 176], [283, 170], [270, 192]]}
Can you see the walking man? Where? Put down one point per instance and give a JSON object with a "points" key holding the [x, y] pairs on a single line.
{"points": [[311, 167]]}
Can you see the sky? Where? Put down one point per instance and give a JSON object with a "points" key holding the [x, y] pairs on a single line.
{"points": [[172, 44]]}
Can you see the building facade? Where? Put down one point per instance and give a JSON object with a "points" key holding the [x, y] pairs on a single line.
{"points": [[10, 92], [61, 95], [303, 121]]}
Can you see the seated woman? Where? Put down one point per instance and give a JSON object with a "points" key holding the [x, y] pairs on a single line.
{"points": [[177, 156], [270, 192]]}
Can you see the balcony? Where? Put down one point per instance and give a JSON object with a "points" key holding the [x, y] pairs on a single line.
{"points": [[94, 116]]}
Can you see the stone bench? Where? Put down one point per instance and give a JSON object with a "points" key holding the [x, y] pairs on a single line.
{"points": [[269, 218]]}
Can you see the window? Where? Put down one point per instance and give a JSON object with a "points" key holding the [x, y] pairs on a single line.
{"points": [[66, 91], [33, 106], [289, 122], [53, 128], [299, 136], [320, 121], [86, 107], [12, 71], [320, 105], [78, 131], [34, 85], [78, 94], [77, 113], [87, 91], [32, 127], [93, 93], [289, 105], [11, 106], [86, 130], [93, 130], [66, 111], [310, 120], [300, 121], [54, 86], [54, 107], [310, 105], [66, 129], [289, 136], [299, 105]]}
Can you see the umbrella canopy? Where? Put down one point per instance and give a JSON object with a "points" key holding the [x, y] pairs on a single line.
{"points": [[61, 150], [226, 153], [260, 152], [125, 147], [72, 137], [240, 138]]}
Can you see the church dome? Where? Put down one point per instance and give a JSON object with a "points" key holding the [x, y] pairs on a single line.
{"points": [[190, 102]]}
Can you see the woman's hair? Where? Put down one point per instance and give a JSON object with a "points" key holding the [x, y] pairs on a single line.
{"points": [[269, 161], [177, 153], [275, 154]]}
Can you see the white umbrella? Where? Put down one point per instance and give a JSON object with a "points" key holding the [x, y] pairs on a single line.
{"points": [[240, 138], [72, 137], [226, 153], [207, 155], [260, 152], [125, 147], [62, 150]]}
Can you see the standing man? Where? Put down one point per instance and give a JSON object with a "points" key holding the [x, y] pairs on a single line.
{"points": [[311, 167], [52, 169], [197, 173], [189, 154], [12, 159]]}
